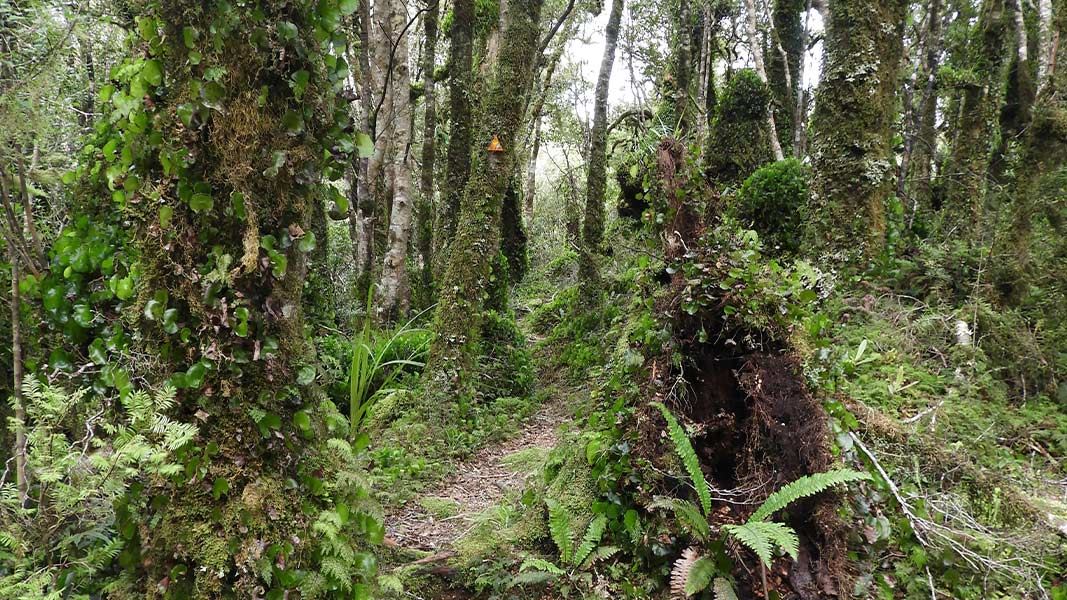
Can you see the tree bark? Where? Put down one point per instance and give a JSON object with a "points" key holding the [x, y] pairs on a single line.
{"points": [[784, 66], [757, 61], [242, 379], [394, 289], [924, 144], [429, 150], [458, 166], [596, 175], [477, 240], [967, 169], [682, 66], [852, 122]]}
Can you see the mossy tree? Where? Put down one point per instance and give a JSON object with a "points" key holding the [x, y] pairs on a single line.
{"points": [[596, 174], [461, 117], [852, 128], [740, 140], [1043, 151], [967, 168], [225, 125], [477, 240], [785, 51]]}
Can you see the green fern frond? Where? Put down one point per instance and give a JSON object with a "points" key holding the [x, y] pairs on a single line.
{"points": [[753, 539], [688, 456], [540, 564], [593, 534], [559, 526], [688, 515], [723, 589], [601, 553], [809, 485]]}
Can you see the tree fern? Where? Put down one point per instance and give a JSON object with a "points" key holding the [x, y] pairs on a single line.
{"points": [[809, 485], [685, 452]]}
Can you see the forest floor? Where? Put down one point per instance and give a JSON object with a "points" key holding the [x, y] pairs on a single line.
{"points": [[436, 518]]}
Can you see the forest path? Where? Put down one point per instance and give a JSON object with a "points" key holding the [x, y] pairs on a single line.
{"points": [[438, 517]]}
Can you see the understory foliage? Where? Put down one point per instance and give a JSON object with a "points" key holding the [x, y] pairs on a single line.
{"points": [[86, 457]]}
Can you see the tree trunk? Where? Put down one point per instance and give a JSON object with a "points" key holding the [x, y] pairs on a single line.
{"points": [[477, 240], [784, 66], [968, 164], [682, 66], [458, 166], [757, 61], [924, 144], [531, 170], [234, 279], [596, 176], [1043, 152], [394, 289], [852, 122], [22, 483], [429, 152]]}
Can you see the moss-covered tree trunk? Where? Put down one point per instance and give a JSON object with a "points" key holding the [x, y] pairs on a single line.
{"points": [[967, 168], [477, 239], [458, 163], [1043, 153], [756, 51], [596, 174], [923, 145], [683, 66], [854, 111], [783, 66], [229, 123]]}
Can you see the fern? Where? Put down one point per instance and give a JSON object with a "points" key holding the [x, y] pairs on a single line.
{"points": [[681, 571], [688, 515], [540, 564], [559, 526], [593, 534], [685, 452], [761, 537], [809, 485]]}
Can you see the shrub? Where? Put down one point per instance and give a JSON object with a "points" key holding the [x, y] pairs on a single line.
{"points": [[771, 201], [740, 141]]}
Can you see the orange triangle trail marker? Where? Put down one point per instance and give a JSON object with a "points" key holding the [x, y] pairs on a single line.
{"points": [[494, 146]]}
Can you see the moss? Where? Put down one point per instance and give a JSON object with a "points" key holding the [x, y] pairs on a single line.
{"points": [[772, 201], [460, 306], [740, 141], [439, 508], [851, 125], [788, 38]]}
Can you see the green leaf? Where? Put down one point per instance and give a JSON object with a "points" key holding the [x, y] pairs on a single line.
{"points": [[307, 242], [293, 122], [347, 7], [189, 37], [303, 422], [299, 83], [124, 288], [201, 203], [220, 487], [152, 72], [364, 145], [700, 574], [685, 452], [98, 352], [213, 93], [809, 485], [166, 213], [287, 30], [723, 589], [305, 375]]}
